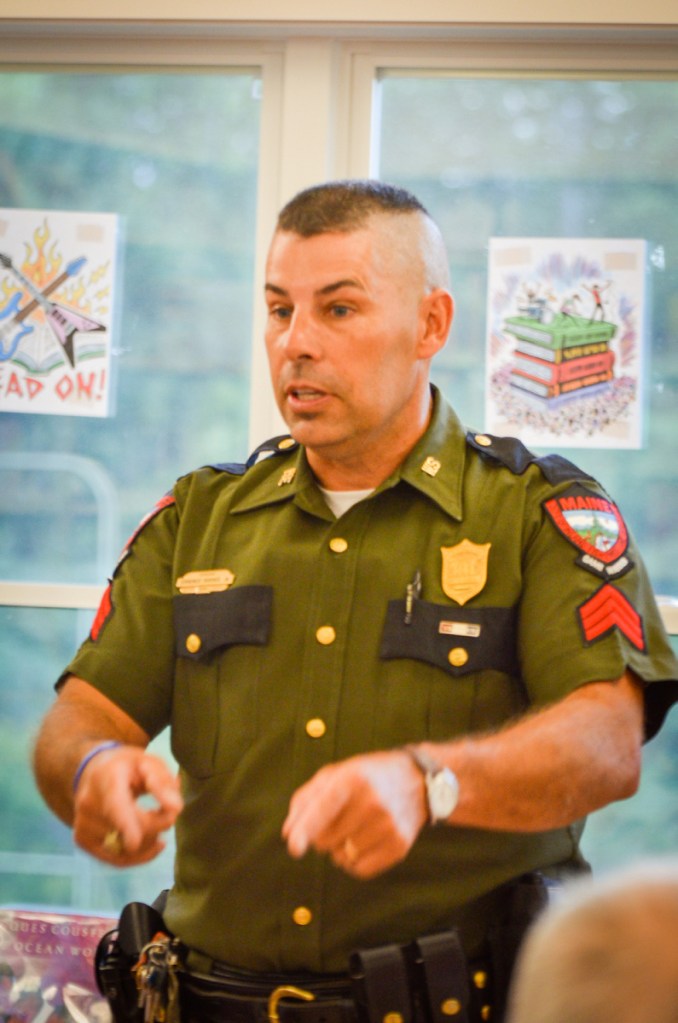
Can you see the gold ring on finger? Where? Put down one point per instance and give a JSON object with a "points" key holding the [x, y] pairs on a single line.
{"points": [[113, 842], [350, 850]]}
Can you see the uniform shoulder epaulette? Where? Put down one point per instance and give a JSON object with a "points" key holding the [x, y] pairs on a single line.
{"points": [[281, 445], [512, 453]]}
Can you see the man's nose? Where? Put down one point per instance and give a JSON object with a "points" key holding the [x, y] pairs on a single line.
{"points": [[302, 338]]}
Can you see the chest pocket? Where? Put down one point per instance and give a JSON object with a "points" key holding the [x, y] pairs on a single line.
{"points": [[458, 640], [206, 622]]}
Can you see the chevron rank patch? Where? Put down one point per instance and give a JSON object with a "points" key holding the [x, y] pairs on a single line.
{"points": [[609, 609], [594, 525]]}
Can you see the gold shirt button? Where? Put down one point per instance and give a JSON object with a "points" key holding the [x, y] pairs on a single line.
{"points": [[286, 442], [451, 1007], [338, 544], [316, 728], [480, 979], [483, 440], [325, 635], [193, 643], [302, 916], [457, 656], [393, 1017]]}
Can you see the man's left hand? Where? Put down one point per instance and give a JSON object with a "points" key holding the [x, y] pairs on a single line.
{"points": [[365, 812]]}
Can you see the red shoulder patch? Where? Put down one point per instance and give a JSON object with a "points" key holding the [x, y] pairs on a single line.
{"points": [[106, 607], [101, 617], [164, 502], [594, 525]]}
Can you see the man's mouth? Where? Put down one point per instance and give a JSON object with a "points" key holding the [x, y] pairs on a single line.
{"points": [[301, 395], [305, 393]]}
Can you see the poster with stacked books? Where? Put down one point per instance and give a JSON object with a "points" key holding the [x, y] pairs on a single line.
{"points": [[566, 328]]}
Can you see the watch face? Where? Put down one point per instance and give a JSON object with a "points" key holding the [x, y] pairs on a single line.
{"points": [[443, 793]]}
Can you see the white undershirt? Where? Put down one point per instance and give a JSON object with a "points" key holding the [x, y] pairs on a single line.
{"points": [[340, 501]]}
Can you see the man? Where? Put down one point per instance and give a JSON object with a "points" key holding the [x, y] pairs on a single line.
{"points": [[607, 951], [386, 623]]}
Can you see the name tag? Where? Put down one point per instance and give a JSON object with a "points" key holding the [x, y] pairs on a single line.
{"points": [[459, 629], [210, 580]]}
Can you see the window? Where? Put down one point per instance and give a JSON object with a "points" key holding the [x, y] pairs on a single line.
{"points": [[559, 156], [196, 142], [175, 155]]}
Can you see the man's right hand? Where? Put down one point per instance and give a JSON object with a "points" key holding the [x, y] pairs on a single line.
{"points": [[124, 797], [111, 820]]}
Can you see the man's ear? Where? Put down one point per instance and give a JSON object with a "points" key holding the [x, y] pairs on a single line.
{"points": [[437, 313]]}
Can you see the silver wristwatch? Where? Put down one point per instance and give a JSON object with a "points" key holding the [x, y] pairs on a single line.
{"points": [[442, 785]]}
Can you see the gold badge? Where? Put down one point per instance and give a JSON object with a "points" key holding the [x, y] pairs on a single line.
{"points": [[210, 580], [464, 569]]}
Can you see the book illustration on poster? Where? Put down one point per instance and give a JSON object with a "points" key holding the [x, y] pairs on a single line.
{"points": [[561, 357], [565, 339]]}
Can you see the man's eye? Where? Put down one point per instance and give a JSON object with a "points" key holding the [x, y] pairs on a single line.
{"points": [[280, 312], [340, 311]]}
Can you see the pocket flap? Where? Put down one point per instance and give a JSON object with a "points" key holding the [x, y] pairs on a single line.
{"points": [[459, 640], [204, 622]]}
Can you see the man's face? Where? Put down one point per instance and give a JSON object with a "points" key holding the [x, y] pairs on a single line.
{"points": [[345, 319]]}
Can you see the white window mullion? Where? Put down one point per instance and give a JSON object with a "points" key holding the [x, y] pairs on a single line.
{"points": [[299, 148]]}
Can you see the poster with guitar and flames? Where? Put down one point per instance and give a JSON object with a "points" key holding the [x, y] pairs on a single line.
{"points": [[57, 302]]}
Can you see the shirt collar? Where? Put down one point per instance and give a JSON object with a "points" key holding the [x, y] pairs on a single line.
{"points": [[434, 467]]}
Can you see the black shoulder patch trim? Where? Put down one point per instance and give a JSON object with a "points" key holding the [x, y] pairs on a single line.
{"points": [[234, 468], [281, 445], [512, 453], [557, 469]]}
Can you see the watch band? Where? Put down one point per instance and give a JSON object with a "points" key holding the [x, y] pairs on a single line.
{"points": [[442, 785], [426, 763]]}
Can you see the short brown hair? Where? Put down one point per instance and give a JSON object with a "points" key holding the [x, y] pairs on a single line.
{"points": [[344, 206]]}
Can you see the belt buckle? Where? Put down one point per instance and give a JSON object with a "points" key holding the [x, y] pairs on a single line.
{"points": [[285, 991]]}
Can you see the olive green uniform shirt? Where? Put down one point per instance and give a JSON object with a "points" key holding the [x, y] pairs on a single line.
{"points": [[312, 653]]}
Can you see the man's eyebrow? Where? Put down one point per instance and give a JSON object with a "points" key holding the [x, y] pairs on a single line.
{"points": [[345, 282], [328, 289], [275, 289]]}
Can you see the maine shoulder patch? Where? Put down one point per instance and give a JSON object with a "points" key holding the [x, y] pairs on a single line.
{"points": [[594, 526]]}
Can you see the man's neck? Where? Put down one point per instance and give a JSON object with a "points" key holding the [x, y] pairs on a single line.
{"points": [[364, 467]]}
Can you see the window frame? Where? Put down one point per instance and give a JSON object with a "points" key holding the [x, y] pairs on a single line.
{"points": [[319, 85]]}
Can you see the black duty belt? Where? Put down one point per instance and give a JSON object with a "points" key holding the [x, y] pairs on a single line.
{"points": [[426, 981], [146, 974]]}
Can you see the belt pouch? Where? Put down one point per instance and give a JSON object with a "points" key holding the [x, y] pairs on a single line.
{"points": [[525, 898], [444, 974], [118, 952], [380, 985]]}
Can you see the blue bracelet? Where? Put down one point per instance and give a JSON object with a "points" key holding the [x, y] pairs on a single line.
{"points": [[109, 744]]}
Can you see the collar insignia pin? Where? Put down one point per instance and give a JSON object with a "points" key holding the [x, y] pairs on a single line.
{"points": [[430, 466]]}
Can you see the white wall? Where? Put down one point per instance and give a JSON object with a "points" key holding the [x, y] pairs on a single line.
{"points": [[427, 12]]}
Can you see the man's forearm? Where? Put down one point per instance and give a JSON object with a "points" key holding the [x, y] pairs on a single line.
{"points": [[552, 767], [78, 720]]}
